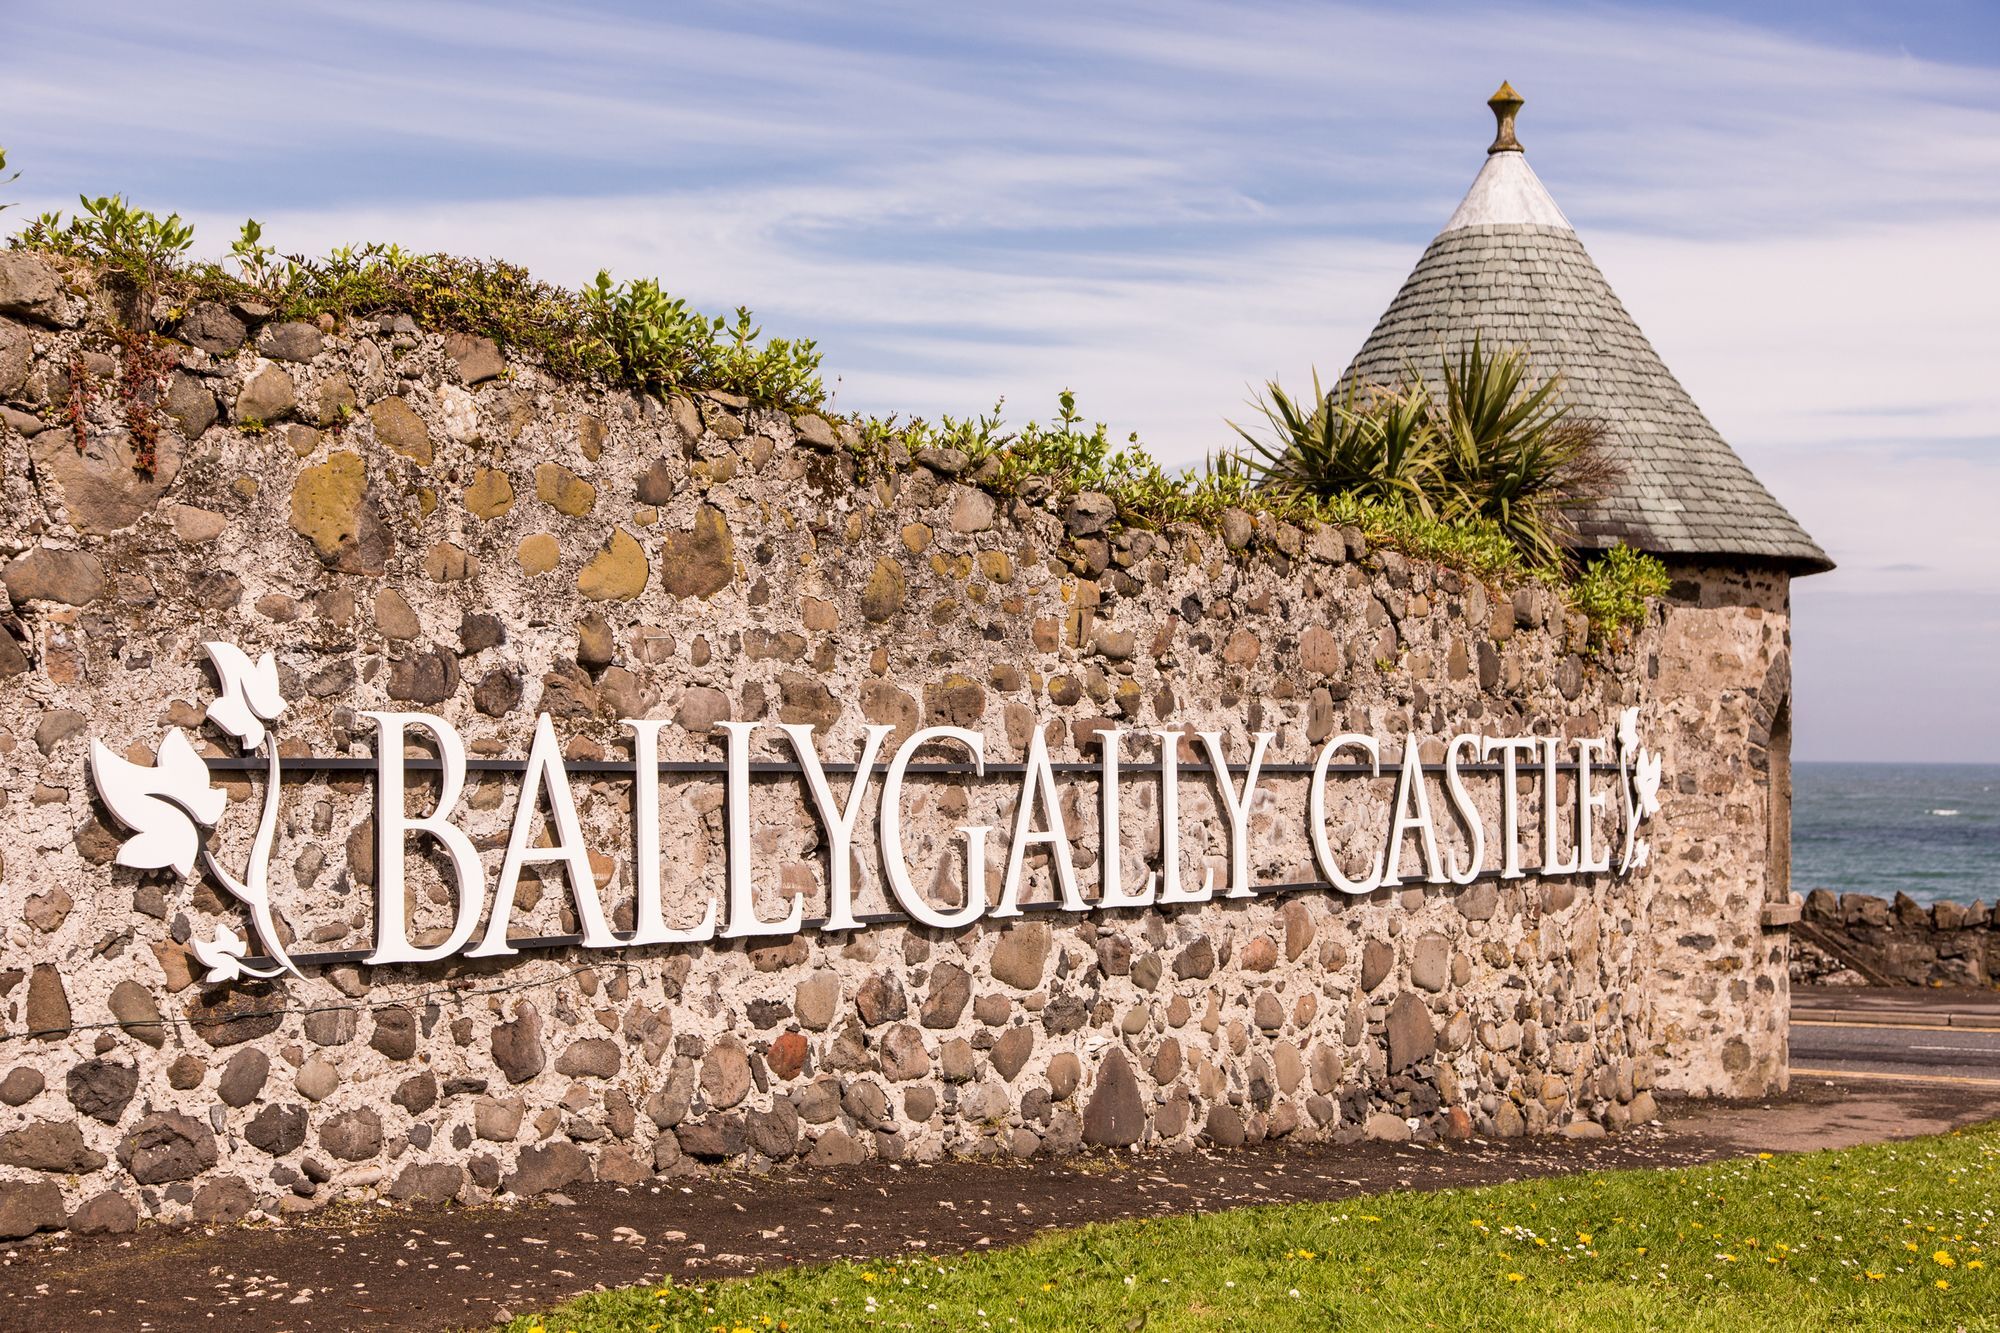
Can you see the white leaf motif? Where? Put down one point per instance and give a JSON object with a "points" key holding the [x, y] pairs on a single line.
{"points": [[161, 804], [1646, 781], [222, 956], [1628, 730], [249, 697]]}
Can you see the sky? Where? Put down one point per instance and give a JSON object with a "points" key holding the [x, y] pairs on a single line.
{"points": [[1163, 206]]}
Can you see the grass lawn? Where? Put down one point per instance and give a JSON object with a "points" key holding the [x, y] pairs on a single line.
{"points": [[1895, 1236]]}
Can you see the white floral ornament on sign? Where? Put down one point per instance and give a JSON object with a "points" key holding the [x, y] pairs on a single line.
{"points": [[1639, 787], [169, 803]]}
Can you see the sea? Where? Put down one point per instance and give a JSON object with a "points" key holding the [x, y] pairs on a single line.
{"points": [[1929, 830]]}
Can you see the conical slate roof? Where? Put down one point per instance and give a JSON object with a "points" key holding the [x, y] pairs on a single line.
{"points": [[1509, 269]]}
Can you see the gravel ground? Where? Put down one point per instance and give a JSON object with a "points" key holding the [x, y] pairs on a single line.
{"points": [[398, 1268]]}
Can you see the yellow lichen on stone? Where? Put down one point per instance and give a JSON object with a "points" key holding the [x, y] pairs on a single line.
{"points": [[997, 566], [490, 495], [398, 426], [538, 554], [702, 561], [326, 501], [427, 501], [590, 433], [567, 493], [883, 595], [616, 573]]}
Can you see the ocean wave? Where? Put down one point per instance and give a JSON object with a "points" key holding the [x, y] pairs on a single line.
{"points": [[1946, 813]]}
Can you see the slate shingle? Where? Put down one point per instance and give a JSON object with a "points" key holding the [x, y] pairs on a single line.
{"points": [[1682, 489]]}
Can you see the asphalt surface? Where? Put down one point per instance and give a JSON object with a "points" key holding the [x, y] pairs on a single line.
{"points": [[1923, 1036], [1921, 1052]]}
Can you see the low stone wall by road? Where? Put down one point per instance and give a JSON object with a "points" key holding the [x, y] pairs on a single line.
{"points": [[1897, 942]]}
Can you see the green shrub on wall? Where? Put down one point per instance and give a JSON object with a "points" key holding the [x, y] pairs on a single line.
{"points": [[631, 334], [1478, 479], [1612, 590]]}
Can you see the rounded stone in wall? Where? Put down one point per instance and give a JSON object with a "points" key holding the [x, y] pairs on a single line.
{"points": [[101, 1089], [353, 1136], [243, 1077], [277, 1130], [167, 1146]]}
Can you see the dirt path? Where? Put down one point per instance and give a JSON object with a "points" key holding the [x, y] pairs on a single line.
{"points": [[463, 1268]]}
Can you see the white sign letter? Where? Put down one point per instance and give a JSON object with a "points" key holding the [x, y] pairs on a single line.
{"points": [[1322, 847], [1551, 825], [393, 827], [1510, 798], [1586, 824], [545, 774], [1462, 807], [1038, 786], [1171, 891], [839, 822], [895, 861], [1237, 805], [743, 919], [1412, 815], [1111, 893]]}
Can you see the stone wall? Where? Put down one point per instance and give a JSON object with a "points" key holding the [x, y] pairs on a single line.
{"points": [[1720, 670], [1900, 942], [414, 521]]}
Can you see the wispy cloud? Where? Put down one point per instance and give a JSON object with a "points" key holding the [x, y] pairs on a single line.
{"points": [[1160, 205]]}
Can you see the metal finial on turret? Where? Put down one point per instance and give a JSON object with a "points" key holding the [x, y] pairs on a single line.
{"points": [[1506, 105]]}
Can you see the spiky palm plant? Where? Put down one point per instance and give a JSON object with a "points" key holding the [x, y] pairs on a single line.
{"points": [[1368, 443], [1492, 447], [1516, 453]]}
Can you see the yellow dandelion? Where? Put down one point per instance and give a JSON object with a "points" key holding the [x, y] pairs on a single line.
{"points": [[1943, 1285], [1874, 1277], [1583, 1238], [1516, 1277], [1763, 1157], [1943, 1259], [1975, 1263]]}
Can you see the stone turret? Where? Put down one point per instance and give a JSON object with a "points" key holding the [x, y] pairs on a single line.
{"points": [[1509, 269]]}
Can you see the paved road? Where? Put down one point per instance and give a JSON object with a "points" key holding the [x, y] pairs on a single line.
{"points": [[1901, 1049]]}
